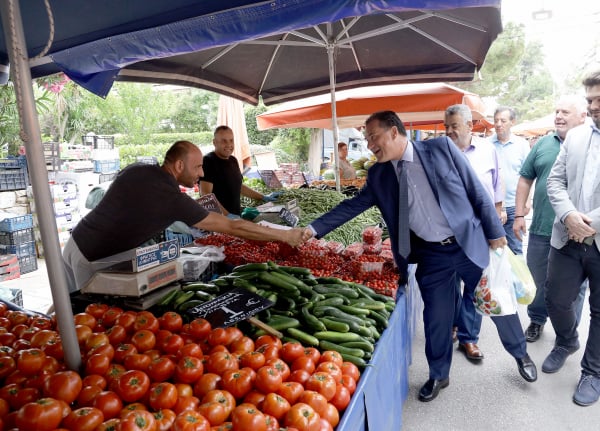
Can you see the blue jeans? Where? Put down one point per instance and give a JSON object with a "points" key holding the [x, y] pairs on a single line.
{"points": [[513, 243], [568, 267], [538, 247]]}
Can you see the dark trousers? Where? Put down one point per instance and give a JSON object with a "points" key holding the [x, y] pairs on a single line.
{"points": [[466, 319], [538, 248], [567, 268], [437, 266]]}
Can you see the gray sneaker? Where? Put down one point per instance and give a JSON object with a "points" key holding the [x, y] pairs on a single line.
{"points": [[556, 359], [588, 390]]}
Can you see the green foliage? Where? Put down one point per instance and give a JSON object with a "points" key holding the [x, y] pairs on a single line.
{"points": [[292, 145], [195, 111], [255, 136], [515, 75]]}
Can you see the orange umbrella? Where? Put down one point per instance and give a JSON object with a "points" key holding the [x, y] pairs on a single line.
{"points": [[418, 105]]}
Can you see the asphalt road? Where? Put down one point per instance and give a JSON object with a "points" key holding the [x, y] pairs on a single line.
{"points": [[492, 396]]}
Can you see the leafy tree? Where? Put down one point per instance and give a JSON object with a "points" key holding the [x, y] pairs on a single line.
{"points": [[255, 136], [515, 75], [195, 111]]}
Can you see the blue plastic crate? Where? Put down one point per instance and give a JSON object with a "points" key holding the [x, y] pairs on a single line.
{"points": [[16, 223], [21, 250], [14, 178], [17, 237], [28, 264], [13, 162], [106, 166]]}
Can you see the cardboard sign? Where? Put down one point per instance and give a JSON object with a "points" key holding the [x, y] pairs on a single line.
{"points": [[270, 179], [234, 306], [210, 202]]}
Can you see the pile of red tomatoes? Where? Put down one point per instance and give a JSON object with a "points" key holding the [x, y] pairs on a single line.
{"points": [[146, 372]]}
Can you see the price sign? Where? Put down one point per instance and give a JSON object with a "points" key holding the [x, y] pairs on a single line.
{"points": [[234, 306], [288, 217], [210, 202]]}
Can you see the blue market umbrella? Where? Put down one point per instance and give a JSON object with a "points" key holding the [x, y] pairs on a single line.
{"points": [[194, 43]]}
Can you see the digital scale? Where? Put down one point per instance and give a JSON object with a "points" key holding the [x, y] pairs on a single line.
{"points": [[145, 270]]}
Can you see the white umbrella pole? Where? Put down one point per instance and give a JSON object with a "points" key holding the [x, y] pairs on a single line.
{"points": [[31, 136], [336, 134]]}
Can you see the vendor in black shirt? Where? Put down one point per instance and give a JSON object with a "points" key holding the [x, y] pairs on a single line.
{"points": [[222, 175], [142, 201]]}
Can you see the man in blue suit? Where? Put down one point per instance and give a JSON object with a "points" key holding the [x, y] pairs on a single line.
{"points": [[453, 223]]}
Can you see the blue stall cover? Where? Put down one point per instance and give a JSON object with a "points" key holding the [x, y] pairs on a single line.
{"points": [[94, 42]]}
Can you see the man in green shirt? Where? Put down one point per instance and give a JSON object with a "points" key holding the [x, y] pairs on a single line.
{"points": [[570, 112]]}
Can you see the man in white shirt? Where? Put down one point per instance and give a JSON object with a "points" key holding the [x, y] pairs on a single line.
{"points": [[512, 151], [458, 121]]}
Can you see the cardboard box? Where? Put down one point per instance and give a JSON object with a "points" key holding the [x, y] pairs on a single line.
{"points": [[134, 284]]}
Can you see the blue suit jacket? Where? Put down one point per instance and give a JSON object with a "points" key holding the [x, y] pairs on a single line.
{"points": [[466, 205]]}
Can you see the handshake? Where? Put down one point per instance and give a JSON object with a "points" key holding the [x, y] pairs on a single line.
{"points": [[297, 236]]}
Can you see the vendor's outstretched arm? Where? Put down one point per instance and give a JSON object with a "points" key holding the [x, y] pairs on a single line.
{"points": [[244, 229]]}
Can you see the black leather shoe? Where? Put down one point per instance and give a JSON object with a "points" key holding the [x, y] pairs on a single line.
{"points": [[431, 389], [527, 368], [533, 332]]}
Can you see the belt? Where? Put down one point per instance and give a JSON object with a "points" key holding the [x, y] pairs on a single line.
{"points": [[447, 241]]}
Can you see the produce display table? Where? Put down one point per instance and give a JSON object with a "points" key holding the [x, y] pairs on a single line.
{"points": [[383, 386]]}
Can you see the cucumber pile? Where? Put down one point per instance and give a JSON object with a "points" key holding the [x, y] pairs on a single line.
{"points": [[324, 312]]}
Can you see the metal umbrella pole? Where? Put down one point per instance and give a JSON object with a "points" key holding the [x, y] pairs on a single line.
{"points": [[31, 136]]}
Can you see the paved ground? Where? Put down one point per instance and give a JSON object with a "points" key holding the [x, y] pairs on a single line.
{"points": [[492, 396]]}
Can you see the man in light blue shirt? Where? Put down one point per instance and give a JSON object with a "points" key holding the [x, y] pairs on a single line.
{"points": [[458, 121], [512, 151]]}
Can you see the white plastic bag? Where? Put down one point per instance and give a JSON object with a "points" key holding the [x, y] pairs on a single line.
{"points": [[495, 294]]}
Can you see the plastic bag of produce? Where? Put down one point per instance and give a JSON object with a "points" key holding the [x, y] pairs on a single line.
{"points": [[372, 234], [495, 294], [522, 278]]}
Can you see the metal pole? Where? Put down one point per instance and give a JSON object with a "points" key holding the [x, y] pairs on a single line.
{"points": [[31, 136], [331, 60]]}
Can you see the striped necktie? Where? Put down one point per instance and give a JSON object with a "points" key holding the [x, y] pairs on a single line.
{"points": [[403, 228]]}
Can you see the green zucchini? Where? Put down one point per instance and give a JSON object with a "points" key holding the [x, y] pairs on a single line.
{"points": [[335, 325], [183, 297], [367, 304], [259, 266], [281, 323], [190, 304], [355, 311], [303, 337], [359, 362], [205, 287], [200, 294], [382, 321], [296, 270], [336, 288], [332, 301], [169, 297], [328, 345], [363, 345], [312, 322], [337, 337]]}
